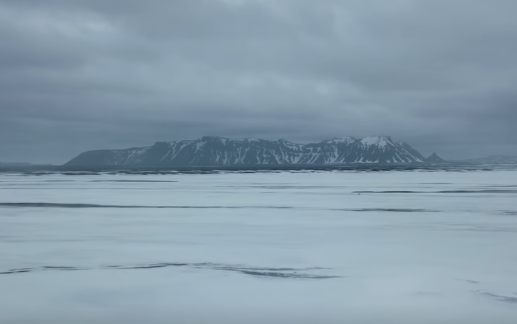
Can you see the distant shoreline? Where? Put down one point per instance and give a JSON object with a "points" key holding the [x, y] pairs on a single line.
{"points": [[249, 168]]}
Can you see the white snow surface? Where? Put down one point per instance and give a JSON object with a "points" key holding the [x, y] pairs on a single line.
{"points": [[379, 141], [440, 248]]}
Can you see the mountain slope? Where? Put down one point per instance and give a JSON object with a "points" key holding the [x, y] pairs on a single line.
{"points": [[435, 159], [212, 151]]}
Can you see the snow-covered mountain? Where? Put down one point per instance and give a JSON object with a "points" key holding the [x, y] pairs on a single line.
{"points": [[214, 151]]}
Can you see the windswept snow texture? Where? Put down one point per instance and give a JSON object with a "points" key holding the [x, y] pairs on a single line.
{"points": [[213, 151], [286, 247]]}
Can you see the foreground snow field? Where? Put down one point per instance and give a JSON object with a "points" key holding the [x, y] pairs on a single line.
{"points": [[301, 247]]}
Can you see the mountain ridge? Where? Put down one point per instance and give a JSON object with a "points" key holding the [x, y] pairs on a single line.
{"points": [[494, 159], [215, 150]]}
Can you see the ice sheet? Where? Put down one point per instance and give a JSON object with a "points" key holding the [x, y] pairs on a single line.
{"points": [[303, 247]]}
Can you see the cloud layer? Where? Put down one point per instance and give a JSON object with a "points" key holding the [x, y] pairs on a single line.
{"points": [[88, 74]]}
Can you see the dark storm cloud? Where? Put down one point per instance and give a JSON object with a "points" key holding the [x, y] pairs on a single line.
{"points": [[86, 74]]}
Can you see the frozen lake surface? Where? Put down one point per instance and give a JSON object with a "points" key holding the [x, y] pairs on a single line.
{"points": [[275, 247]]}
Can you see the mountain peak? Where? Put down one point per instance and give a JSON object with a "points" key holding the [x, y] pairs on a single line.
{"points": [[225, 139], [434, 158], [342, 140], [210, 138]]}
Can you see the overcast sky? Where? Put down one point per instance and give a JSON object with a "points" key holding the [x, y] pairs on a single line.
{"points": [[77, 75]]}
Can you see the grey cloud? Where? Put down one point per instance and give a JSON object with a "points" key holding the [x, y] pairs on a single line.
{"points": [[86, 74]]}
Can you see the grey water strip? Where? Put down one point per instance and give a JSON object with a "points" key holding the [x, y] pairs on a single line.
{"points": [[488, 191], [507, 299], [79, 205], [282, 273]]}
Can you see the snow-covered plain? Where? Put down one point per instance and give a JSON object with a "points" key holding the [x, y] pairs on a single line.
{"points": [[302, 247]]}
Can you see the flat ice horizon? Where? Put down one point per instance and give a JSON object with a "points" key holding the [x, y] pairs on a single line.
{"points": [[286, 247]]}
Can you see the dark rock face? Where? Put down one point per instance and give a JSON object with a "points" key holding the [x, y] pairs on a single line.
{"points": [[213, 151]]}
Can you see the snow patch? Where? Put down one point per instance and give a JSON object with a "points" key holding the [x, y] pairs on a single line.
{"points": [[379, 141]]}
